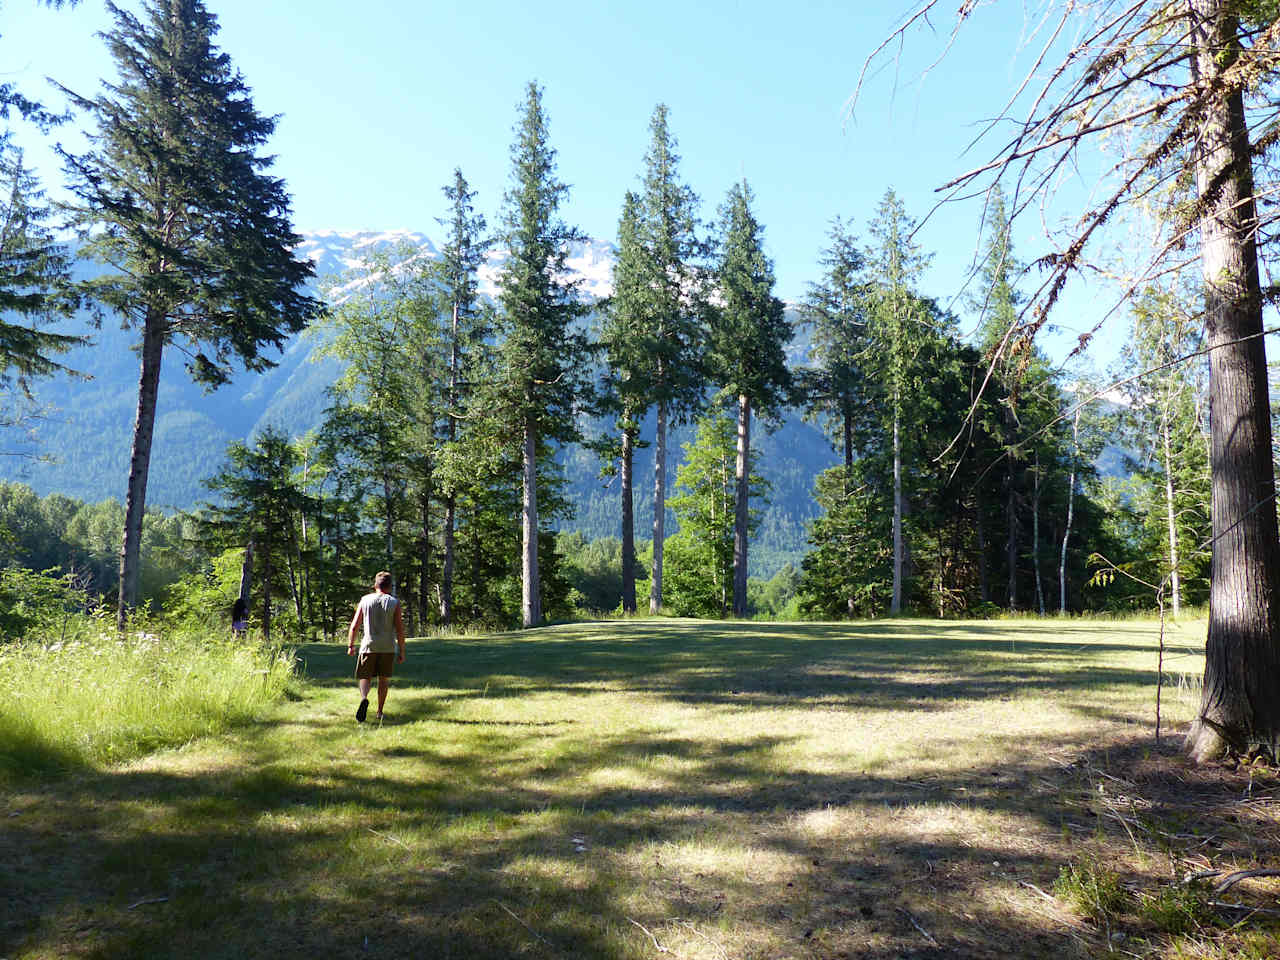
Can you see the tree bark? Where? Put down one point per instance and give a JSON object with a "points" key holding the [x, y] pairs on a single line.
{"points": [[895, 602], [446, 572], [659, 507], [741, 507], [424, 561], [1012, 545], [1239, 706], [984, 586], [451, 501], [1175, 578], [1071, 505], [1035, 537], [628, 519], [246, 575], [531, 592], [135, 502]]}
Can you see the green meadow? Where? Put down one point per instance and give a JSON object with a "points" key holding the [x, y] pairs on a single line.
{"points": [[646, 789]]}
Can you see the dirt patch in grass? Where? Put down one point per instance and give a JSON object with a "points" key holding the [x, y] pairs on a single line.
{"points": [[660, 789]]}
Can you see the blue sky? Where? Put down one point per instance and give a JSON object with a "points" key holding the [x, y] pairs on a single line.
{"points": [[380, 100]]}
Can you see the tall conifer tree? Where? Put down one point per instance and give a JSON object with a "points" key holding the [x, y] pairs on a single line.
{"points": [[898, 320], [543, 360], [629, 354], [466, 328], [675, 333], [175, 191], [749, 334]]}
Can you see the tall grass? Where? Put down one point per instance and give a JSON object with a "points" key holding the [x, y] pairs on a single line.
{"points": [[99, 698]]}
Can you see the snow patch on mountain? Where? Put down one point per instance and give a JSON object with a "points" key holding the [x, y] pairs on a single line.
{"points": [[336, 253]]}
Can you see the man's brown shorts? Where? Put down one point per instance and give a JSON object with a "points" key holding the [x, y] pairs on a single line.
{"points": [[370, 665]]}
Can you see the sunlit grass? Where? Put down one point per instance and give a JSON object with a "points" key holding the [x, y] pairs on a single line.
{"points": [[100, 698], [621, 790]]}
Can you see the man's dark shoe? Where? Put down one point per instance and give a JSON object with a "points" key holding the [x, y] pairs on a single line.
{"points": [[362, 711]]}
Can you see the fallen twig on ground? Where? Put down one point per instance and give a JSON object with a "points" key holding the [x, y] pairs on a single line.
{"points": [[656, 945], [915, 923], [1231, 879]]}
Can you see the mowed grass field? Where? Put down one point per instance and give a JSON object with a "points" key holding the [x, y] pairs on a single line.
{"points": [[664, 789]]}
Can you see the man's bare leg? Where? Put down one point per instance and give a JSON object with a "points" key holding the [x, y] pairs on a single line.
{"points": [[384, 684], [363, 683]]}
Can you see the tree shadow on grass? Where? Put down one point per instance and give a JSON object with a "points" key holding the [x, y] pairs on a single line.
{"points": [[466, 851], [441, 836], [889, 665]]}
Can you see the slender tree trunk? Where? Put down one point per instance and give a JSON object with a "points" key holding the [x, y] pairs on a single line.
{"points": [[847, 425], [628, 518], [1239, 705], [246, 575], [139, 464], [531, 596], [446, 572], [895, 603], [1035, 536], [984, 586], [424, 560], [1012, 547], [1071, 505], [659, 506], [266, 596], [451, 501], [741, 507], [1175, 578]]}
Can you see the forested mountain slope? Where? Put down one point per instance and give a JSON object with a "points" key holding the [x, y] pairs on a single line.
{"points": [[85, 426]]}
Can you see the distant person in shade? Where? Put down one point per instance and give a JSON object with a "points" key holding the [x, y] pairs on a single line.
{"points": [[379, 612], [239, 617]]}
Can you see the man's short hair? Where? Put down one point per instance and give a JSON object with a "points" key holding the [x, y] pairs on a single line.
{"points": [[382, 581]]}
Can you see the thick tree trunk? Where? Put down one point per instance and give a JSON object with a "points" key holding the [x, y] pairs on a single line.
{"points": [[628, 519], [531, 589], [1239, 705], [741, 507], [895, 602], [135, 502], [659, 507]]}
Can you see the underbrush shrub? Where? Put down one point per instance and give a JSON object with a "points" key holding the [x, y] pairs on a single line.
{"points": [[1178, 908], [1095, 892], [38, 604], [100, 697]]}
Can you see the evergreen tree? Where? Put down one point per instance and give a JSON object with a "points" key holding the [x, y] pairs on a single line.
{"points": [[836, 311], [673, 334], [898, 324], [35, 276], [175, 194], [1164, 423], [849, 570], [543, 360], [261, 503], [749, 335], [468, 326], [627, 363], [702, 552]]}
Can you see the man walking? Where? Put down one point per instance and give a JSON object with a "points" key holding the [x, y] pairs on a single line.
{"points": [[379, 612]]}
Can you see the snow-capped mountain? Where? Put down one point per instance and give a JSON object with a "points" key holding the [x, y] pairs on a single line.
{"points": [[338, 255]]}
